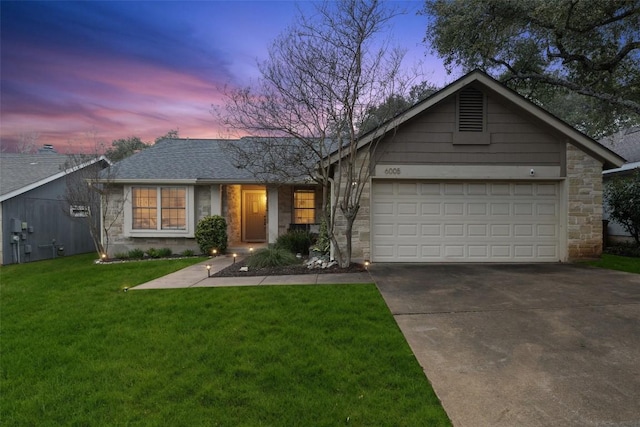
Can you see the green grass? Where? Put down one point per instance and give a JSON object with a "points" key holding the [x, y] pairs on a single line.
{"points": [[617, 262], [77, 350]]}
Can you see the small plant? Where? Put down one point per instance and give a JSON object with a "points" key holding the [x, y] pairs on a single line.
{"points": [[271, 257], [165, 252], [323, 243], [187, 253], [121, 255], [136, 254], [211, 233], [152, 253], [295, 241]]}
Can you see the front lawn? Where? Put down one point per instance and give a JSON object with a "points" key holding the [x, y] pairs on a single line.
{"points": [[617, 262], [77, 350]]}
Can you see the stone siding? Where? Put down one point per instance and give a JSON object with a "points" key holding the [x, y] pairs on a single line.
{"points": [[231, 210], [584, 205], [361, 231]]}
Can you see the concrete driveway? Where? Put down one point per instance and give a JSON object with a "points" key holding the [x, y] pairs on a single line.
{"points": [[522, 345]]}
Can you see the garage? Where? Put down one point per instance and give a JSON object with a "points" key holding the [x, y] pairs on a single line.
{"points": [[465, 221]]}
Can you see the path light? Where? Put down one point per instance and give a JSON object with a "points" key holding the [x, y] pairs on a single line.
{"points": [[250, 251], [214, 252], [208, 270], [234, 258], [104, 256], [366, 265]]}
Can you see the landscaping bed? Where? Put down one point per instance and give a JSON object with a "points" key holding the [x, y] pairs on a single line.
{"points": [[301, 268]]}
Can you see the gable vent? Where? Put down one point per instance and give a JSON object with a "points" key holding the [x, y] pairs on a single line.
{"points": [[470, 110]]}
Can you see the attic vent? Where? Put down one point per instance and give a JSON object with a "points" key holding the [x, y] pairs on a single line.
{"points": [[470, 110]]}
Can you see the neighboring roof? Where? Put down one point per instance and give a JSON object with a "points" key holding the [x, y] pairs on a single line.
{"points": [[20, 173], [625, 169], [182, 161], [625, 143], [580, 140]]}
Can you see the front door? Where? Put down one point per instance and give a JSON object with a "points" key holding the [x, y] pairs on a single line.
{"points": [[254, 214]]}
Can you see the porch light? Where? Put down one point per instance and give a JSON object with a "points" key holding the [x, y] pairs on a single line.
{"points": [[208, 270]]}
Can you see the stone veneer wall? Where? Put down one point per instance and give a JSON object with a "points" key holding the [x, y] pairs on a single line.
{"points": [[231, 210], [361, 231], [584, 205], [285, 208]]}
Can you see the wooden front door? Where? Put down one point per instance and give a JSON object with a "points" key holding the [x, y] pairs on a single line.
{"points": [[254, 215]]}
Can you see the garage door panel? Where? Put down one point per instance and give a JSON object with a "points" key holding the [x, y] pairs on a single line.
{"points": [[458, 222]]}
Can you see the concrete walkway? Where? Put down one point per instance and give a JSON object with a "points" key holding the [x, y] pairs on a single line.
{"points": [[196, 276]]}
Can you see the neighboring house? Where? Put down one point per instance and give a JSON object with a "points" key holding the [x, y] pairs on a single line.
{"points": [[626, 143], [160, 194], [36, 222], [474, 173]]}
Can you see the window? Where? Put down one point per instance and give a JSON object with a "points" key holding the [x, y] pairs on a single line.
{"points": [[304, 207], [145, 214]]}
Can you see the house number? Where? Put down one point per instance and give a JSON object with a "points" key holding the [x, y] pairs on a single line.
{"points": [[392, 171]]}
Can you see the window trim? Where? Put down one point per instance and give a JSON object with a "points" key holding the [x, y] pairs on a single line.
{"points": [[129, 231]]}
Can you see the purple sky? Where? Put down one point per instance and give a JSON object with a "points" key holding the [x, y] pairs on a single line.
{"points": [[76, 72]]}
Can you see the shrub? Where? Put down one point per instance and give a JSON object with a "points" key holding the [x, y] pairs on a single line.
{"points": [[121, 255], [211, 233], [323, 243], [153, 253], [295, 241], [624, 249], [165, 252], [187, 252], [136, 254], [622, 197], [271, 257]]}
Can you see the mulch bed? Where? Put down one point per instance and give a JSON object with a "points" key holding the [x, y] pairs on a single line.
{"points": [[234, 270]]}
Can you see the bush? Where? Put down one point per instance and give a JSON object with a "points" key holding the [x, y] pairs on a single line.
{"points": [[271, 257], [622, 198], [187, 252], [296, 241], [152, 253], [624, 249], [136, 254], [121, 255], [211, 233]]}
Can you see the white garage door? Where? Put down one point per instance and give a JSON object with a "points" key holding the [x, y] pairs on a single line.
{"points": [[426, 221]]}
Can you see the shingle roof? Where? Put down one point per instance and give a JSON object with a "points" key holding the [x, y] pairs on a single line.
{"points": [[21, 170], [625, 143], [184, 159]]}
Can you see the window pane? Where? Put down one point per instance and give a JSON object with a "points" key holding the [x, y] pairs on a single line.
{"points": [[174, 202], [144, 208], [304, 207]]}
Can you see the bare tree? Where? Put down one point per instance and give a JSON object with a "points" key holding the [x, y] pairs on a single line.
{"points": [[28, 142], [321, 80], [88, 196]]}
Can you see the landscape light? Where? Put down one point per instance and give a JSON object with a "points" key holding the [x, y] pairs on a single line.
{"points": [[234, 258], [214, 252], [208, 270]]}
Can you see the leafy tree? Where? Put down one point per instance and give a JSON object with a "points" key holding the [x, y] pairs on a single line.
{"points": [[172, 134], [579, 52], [125, 147], [317, 87], [622, 197]]}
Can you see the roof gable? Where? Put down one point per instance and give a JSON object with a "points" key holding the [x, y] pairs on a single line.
{"points": [[20, 173], [481, 80]]}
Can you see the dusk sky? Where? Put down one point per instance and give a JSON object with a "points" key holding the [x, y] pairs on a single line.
{"points": [[74, 72]]}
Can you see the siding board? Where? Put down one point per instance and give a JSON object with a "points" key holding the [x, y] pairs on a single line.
{"points": [[428, 139]]}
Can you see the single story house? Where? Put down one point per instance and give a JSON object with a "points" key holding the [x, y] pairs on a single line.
{"points": [[474, 173], [626, 143], [159, 194], [35, 220]]}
